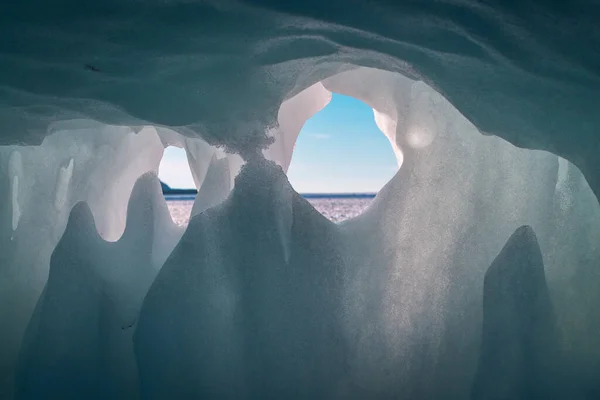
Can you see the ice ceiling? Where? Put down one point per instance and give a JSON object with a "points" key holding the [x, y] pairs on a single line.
{"points": [[474, 274]]}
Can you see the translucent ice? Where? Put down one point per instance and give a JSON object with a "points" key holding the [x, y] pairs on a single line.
{"points": [[79, 340], [520, 347], [83, 162], [258, 303]]}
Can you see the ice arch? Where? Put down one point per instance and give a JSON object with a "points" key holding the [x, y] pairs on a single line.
{"points": [[527, 73], [384, 306], [407, 111]]}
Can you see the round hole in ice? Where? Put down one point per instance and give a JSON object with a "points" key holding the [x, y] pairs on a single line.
{"points": [[341, 160]]}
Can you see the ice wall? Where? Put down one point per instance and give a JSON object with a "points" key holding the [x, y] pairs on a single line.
{"points": [[80, 162], [79, 340], [292, 115], [262, 297], [520, 351]]}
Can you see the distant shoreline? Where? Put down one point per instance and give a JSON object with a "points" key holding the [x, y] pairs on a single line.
{"points": [[338, 195], [180, 192], [188, 194]]}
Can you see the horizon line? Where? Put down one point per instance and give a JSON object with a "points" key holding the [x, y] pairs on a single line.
{"points": [[192, 192]]}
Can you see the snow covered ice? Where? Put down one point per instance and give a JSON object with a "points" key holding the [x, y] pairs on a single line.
{"points": [[474, 273]]}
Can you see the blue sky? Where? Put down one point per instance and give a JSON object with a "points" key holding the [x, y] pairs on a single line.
{"points": [[339, 150]]}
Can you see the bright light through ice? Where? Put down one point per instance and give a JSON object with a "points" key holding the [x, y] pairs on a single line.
{"points": [[341, 150], [419, 138], [174, 169]]}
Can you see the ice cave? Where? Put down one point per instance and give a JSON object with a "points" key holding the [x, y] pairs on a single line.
{"points": [[474, 274]]}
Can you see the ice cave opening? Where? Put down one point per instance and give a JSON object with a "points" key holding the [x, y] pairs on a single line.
{"points": [[341, 159], [473, 272], [177, 184]]}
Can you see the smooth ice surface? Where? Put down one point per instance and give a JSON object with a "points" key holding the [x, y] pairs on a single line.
{"points": [[239, 279], [39, 186], [215, 187], [79, 340], [519, 348]]}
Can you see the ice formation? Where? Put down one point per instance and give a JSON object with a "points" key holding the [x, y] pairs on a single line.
{"points": [[78, 343], [518, 359], [474, 274]]}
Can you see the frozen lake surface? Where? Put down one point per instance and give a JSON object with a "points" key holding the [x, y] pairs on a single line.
{"points": [[336, 208]]}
